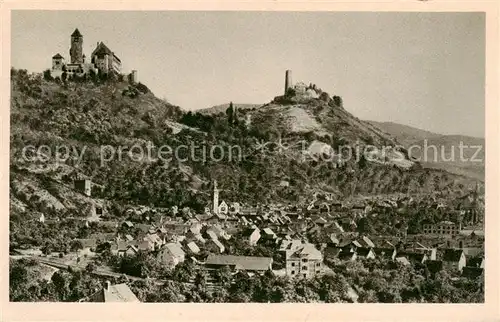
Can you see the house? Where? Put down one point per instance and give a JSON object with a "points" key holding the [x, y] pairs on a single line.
{"points": [[252, 235], [210, 233], [385, 253], [215, 219], [217, 244], [88, 245], [333, 240], [414, 257], [41, 218], [476, 262], [454, 259], [171, 254], [118, 246], [367, 242], [472, 272], [302, 260], [219, 232], [130, 250], [193, 247], [194, 234], [288, 243], [150, 242], [473, 251], [128, 224], [112, 293], [334, 228], [176, 228], [365, 253], [246, 263], [331, 252], [347, 255], [269, 234], [403, 260], [84, 186]]}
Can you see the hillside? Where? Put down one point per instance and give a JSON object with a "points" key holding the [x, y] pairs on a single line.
{"points": [[449, 159], [277, 143], [223, 107]]}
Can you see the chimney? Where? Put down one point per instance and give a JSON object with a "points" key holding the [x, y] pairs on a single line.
{"points": [[107, 286]]}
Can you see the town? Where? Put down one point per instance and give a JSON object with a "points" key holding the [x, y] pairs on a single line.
{"points": [[332, 247], [298, 241]]}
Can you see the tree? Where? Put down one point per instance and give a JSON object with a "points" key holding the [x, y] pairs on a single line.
{"points": [[338, 101], [230, 113], [324, 97], [61, 284], [47, 75], [90, 268], [76, 245], [223, 276]]}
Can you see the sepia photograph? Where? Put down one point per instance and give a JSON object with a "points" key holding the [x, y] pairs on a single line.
{"points": [[247, 157]]}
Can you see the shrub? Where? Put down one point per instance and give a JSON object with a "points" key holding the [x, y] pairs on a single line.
{"points": [[142, 88], [47, 76]]}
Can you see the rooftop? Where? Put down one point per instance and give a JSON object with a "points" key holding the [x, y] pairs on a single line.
{"points": [[114, 293], [249, 263]]}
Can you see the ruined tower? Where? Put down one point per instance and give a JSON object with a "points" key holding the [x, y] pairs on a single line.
{"points": [[76, 50], [215, 202], [288, 80], [133, 76]]}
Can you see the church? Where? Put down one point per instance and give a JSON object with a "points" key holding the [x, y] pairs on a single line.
{"points": [[102, 59]]}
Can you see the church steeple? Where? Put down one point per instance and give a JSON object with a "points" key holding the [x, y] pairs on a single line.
{"points": [[215, 201]]}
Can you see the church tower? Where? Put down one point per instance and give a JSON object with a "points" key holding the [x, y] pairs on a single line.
{"points": [[76, 50], [215, 201]]}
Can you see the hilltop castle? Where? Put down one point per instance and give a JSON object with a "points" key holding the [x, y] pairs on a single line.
{"points": [[299, 89], [102, 60]]}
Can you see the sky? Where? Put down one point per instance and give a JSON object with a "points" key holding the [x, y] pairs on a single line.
{"points": [[421, 69]]}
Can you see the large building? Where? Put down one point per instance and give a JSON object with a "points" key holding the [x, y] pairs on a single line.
{"points": [[302, 260], [443, 228], [103, 60]]}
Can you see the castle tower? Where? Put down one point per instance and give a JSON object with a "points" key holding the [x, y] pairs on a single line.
{"points": [[133, 76], [215, 202], [288, 80], [76, 50]]}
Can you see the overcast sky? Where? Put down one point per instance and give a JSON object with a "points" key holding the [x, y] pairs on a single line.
{"points": [[420, 69]]}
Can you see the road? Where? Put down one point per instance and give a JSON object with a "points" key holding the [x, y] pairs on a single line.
{"points": [[104, 272]]}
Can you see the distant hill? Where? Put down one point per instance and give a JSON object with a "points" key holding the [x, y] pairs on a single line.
{"points": [[405, 134], [408, 136], [223, 107]]}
